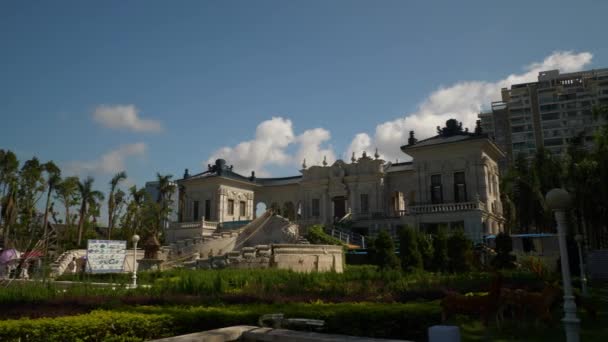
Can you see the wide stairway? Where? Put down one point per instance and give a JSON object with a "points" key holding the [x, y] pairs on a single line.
{"points": [[264, 230]]}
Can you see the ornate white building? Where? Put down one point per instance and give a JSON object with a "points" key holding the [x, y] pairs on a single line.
{"points": [[452, 182]]}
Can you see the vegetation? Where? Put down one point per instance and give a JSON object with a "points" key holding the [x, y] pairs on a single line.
{"points": [[384, 251], [583, 172], [504, 247], [408, 249], [24, 219], [316, 235], [440, 252], [141, 323], [459, 252]]}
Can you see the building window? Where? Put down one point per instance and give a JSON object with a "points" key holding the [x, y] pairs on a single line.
{"points": [[364, 204], [316, 207], [207, 209], [195, 216], [436, 189], [460, 187], [242, 208], [230, 207]]}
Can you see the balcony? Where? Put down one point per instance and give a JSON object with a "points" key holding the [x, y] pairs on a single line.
{"points": [[205, 228], [446, 207]]}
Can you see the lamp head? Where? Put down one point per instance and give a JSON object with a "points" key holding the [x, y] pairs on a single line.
{"points": [[558, 199], [135, 238]]}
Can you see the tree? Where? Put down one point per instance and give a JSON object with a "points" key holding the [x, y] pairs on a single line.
{"points": [[425, 247], [31, 185], [440, 252], [133, 219], [166, 188], [408, 249], [384, 251], [66, 191], [504, 247], [459, 252], [53, 178], [114, 201], [9, 166], [87, 196]]}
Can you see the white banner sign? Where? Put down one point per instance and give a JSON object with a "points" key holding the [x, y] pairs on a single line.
{"points": [[106, 256]]}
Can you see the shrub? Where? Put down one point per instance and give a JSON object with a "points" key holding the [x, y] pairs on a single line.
{"points": [[504, 247], [384, 251], [317, 236], [459, 252], [440, 252], [143, 323], [425, 247], [408, 249], [96, 326]]}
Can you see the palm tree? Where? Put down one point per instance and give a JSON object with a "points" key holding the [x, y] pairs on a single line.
{"points": [[166, 188], [112, 200], [67, 193], [132, 219], [54, 177], [87, 194]]}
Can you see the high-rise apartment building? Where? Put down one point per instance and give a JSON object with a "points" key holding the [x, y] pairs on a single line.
{"points": [[546, 113]]}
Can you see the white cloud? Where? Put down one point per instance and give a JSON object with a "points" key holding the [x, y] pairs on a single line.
{"points": [[462, 101], [310, 147], [109, 163], [272, 138], [125, 117]]}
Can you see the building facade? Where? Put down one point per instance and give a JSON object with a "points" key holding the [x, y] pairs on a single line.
{"points": [[452, 182], [547, 113]]}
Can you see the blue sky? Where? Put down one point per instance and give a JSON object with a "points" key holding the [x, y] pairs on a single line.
{"points": [[161, 86]]}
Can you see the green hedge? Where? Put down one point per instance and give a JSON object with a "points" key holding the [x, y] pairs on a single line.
{"points": [[405, 321], [96, 326]]}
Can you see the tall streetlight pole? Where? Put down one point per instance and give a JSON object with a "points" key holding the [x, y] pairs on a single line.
{"points": [[135, 240], [559, 201], [579, 241]]}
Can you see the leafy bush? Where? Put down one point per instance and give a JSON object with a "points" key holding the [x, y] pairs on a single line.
{"points": [[440, 252], [408, 249], [504, 247], [459, 252], [425, 247], [142, 323], [384, 251], [317, 236], [96, 326]]}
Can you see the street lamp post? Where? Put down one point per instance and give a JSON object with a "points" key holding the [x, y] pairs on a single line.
{"points": [[579, 241], [135, 240], [559, 201]]}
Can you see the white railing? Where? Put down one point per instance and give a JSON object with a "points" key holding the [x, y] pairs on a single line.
{"points": [[196, 224], [446, 207]]}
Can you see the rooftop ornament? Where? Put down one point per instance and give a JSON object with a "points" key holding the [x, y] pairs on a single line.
{"points": [[324, 160], [304, 164], [412, 140], [452, 128], [353, 159], [376, 155]]}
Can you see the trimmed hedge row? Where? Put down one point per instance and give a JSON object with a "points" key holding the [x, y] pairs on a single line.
{"points": [[95, 326], [405, 321]]}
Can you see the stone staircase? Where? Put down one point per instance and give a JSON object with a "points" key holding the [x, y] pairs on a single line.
{"points": [[59, 266]]}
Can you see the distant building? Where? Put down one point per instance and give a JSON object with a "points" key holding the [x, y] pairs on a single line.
{"points": [[546, 113], [152, 189], [451, 183]]}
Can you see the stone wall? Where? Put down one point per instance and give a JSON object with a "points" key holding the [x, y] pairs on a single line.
{"points": [[296, 257]]}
